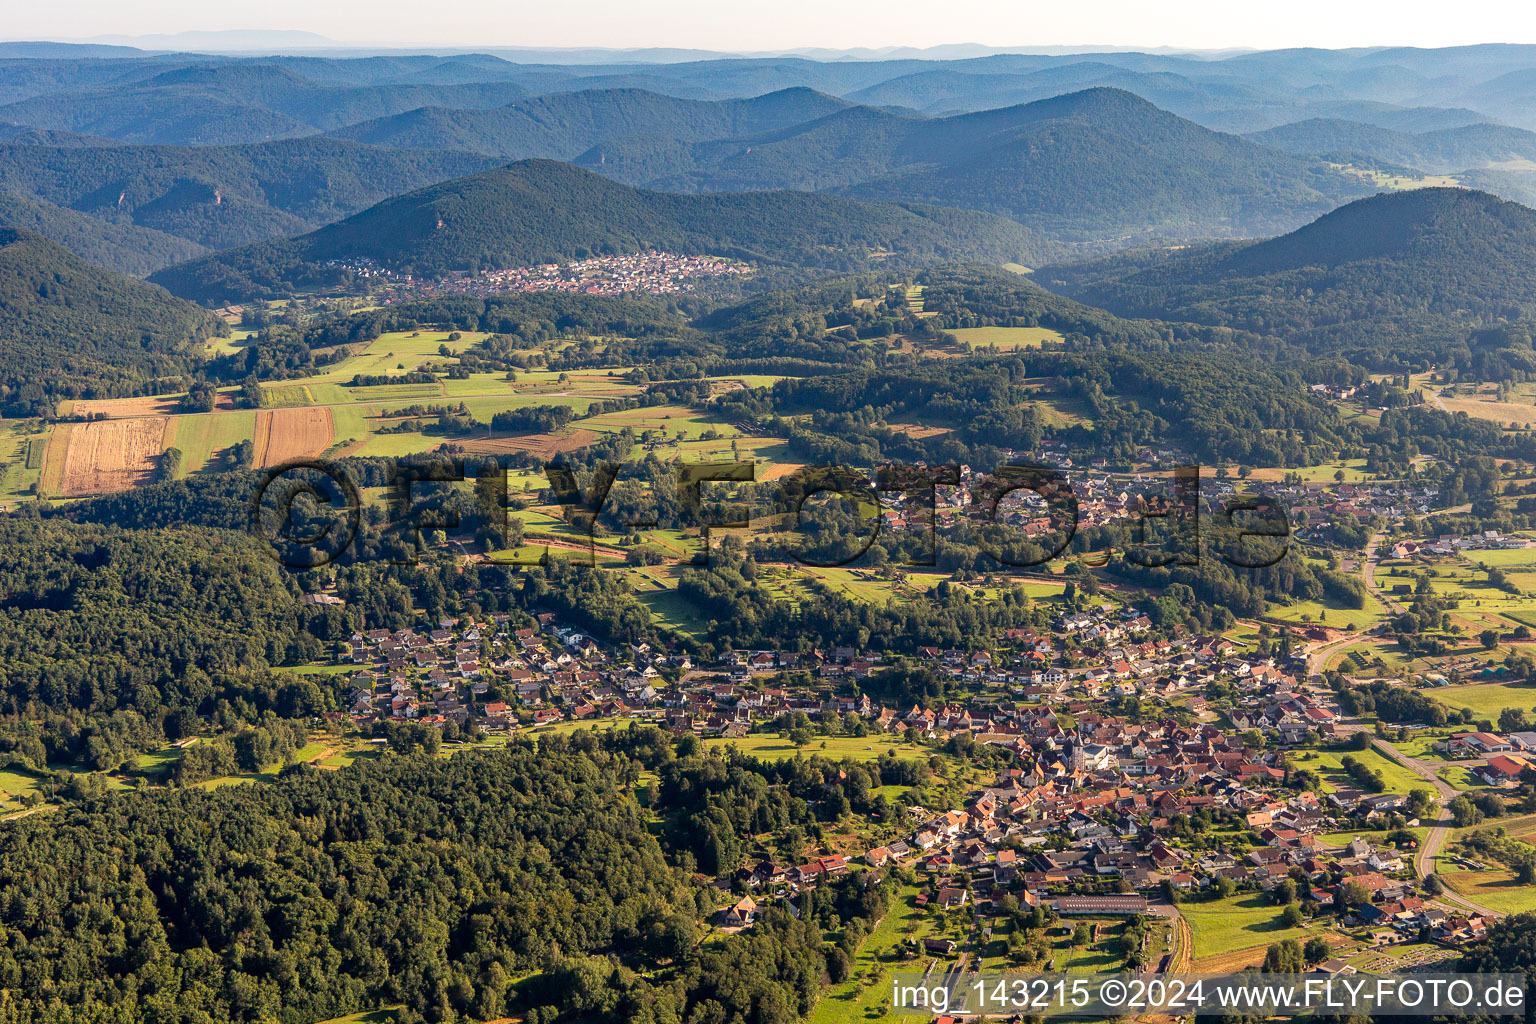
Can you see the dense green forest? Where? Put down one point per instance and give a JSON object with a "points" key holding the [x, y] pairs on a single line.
{"points": [[70, 329], [521, 880], [432, 883], [100, 618]]}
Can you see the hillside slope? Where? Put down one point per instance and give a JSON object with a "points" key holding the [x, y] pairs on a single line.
{"points": [[125, 248], [68, 328], [539, 210], [1442, 151]]}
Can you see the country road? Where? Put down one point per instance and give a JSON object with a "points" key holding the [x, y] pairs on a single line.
{"points": [[1424, 861]]}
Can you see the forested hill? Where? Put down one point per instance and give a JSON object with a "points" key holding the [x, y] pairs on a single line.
{"points": [[68, 328], [432, 883], [1395, 272], [1105, 160], [539, 210]]}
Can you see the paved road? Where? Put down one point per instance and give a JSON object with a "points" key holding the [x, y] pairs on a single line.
{"points": [[1424, 862]]}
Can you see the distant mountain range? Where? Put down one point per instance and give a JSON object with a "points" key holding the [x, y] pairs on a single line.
{"points": [[213, 197], [185, 98], [223, 105], [1100, 167], [540, 210], [1390, 273], [562, 126], [1440, 151], [1093, 150], [1081, 166]]}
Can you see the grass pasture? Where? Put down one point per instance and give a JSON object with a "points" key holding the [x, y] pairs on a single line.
{"points": [[16, 785], [205, 438], [1237, 922], [1485, 699], [22, 448], [1005, 339], [1327, 764], [1328, 612], [399, 352], [773, 747], [1493, 887], [861, 997]]}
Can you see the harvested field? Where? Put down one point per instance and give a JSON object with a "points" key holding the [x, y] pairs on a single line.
{"points": [[148, 405], [286, 434], [118, 408], [919, 431], [1502, 413], [1236, 960], [50, 479], [778, 470], [543, 445], [104, 456]]}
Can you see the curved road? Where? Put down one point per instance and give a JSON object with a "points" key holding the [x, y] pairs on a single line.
{"points": [[1424, 862]]}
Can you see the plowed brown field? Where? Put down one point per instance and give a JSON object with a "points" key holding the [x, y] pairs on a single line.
{"points": [[286, 434], [542, 445]]}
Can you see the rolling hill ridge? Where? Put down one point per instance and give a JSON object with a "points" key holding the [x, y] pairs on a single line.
{"points": [[224, 196], [540, 210], [1396, 271], [1074, 167]]}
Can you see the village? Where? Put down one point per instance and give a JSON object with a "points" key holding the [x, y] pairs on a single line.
{"points": [[640, 273], [1092, 818]]}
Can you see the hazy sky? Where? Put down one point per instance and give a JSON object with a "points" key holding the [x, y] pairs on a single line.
{"points": [[779, 24]]}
